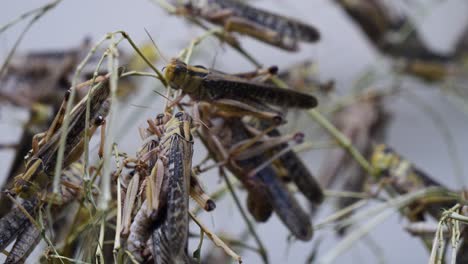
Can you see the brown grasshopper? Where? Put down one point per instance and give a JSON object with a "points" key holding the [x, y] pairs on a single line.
{"points": [[17, 225], [40, 77], [379, 20], [163, 215], [266, 191], [236, 16], [42, 161], [170, 238], [210, 85]]}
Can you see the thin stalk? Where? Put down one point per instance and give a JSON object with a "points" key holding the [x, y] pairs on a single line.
{"points": [[216, 240], [347, 194], [135, 47], [139, 73], [105, 195], [88, 116], [66, 119], [189, 50], [33, 20], [340, 214], [458, 217], [100, 247], [24, 16], [261, 248], [376, 215], [340, 137], [344, 142], [117, 244]]}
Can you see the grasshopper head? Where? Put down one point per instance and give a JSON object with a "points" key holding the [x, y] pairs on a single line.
{"points": [[24, 188], [175, 73], [382, 158]]}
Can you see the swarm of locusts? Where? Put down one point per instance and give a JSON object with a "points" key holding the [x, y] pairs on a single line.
{"points": [[116, 207]]}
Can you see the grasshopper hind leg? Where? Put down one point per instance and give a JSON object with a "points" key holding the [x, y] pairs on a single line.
{"points": [[13, 222], [24, 245], [258, 205]]}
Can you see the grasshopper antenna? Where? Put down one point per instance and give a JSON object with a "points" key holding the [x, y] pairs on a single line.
{"points": [[214, 59], [156, 46], [164, 96]]}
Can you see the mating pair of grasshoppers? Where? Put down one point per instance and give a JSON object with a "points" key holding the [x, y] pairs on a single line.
{"points": [[160, 224]]}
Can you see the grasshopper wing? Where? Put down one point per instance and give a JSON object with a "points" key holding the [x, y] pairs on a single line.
{"points": [[219, 86]]}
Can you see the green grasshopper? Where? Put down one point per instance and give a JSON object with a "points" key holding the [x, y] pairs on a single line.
{"points": [[235, 16], [404, 178], [209, 85]]}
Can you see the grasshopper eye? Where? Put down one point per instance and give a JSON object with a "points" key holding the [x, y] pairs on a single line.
{"points": [[179, 68], [387, 150], [179, 114], [99, 120], [273, 70]]}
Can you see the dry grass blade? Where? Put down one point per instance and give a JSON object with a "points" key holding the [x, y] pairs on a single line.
{"points": [[39, 13], [216, 240]]}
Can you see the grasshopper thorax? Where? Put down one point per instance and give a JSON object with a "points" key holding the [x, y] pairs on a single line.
{"points": [[181, 124]]}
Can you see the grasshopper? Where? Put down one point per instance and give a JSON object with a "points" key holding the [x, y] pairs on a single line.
{"points": [[294, 169], [209, 85], [381, 21], [15, 221], [42, 161], [40, 77], [163, 215], [404, 177], [235, 16], [24, 245], [16, 225], [170, 237], [266, 191]]}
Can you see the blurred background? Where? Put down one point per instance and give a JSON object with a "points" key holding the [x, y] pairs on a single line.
{"points": [[343, 54]]}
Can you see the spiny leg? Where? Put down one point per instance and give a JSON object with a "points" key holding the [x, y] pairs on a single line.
{"points": [[199, 195]]}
